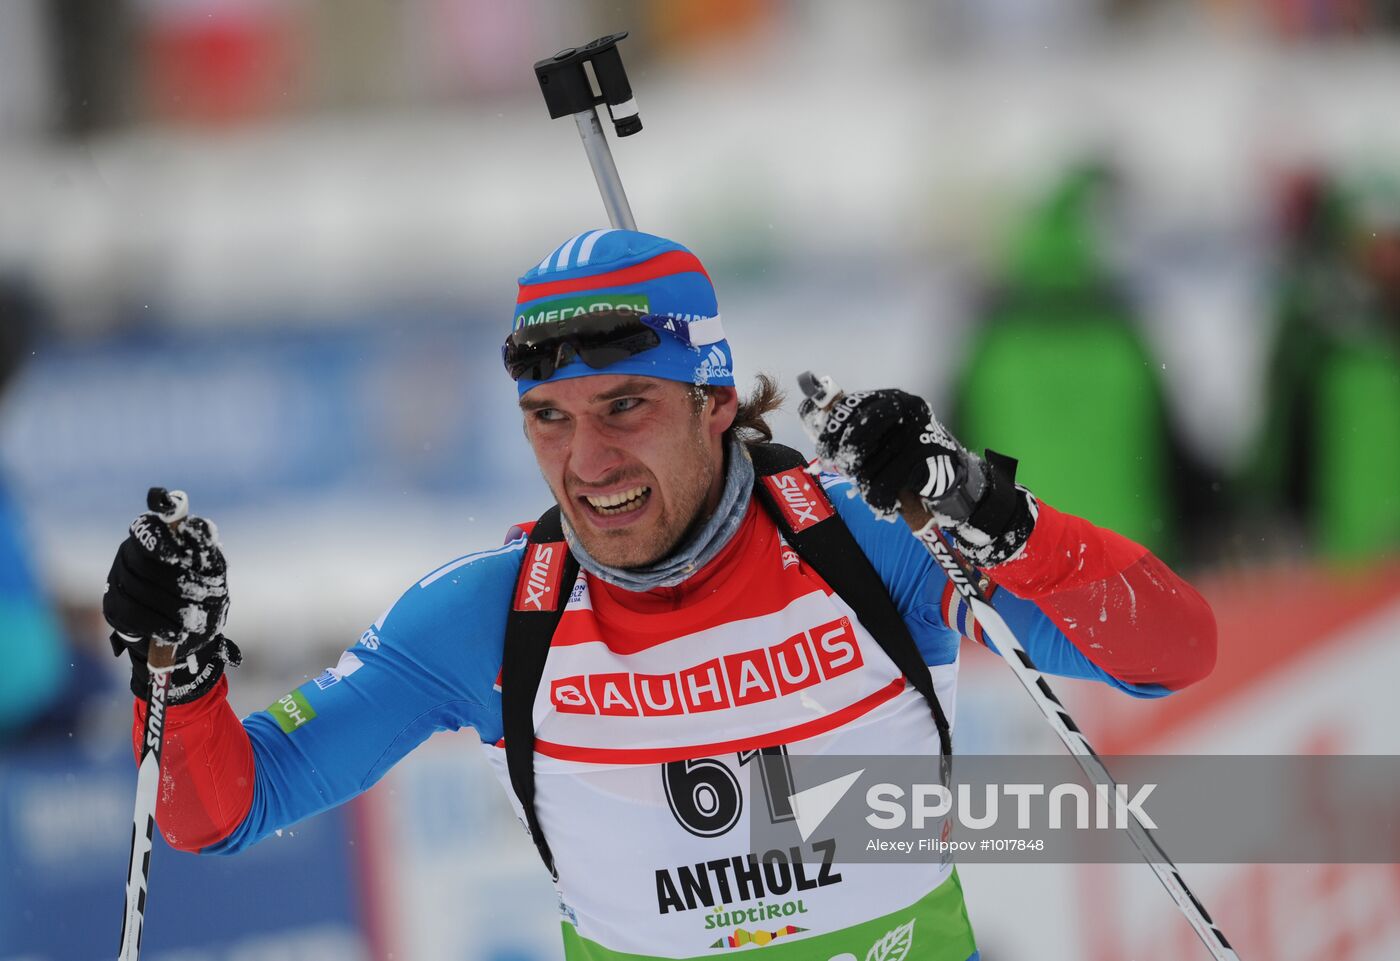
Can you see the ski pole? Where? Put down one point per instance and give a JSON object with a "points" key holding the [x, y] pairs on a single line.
{"points": [[568, 91], [824, 393], [173, 507]]}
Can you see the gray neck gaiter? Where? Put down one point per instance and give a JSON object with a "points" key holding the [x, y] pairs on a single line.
{"points": [[700, 550]]}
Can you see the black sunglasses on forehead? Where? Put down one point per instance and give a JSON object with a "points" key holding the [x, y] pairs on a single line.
{"points": [[598, 339]]}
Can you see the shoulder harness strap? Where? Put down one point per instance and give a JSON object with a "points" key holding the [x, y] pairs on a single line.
{"points": [[547, 573], [803, 513]]}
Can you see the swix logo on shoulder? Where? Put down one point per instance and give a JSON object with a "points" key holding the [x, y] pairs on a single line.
{"points": [[538, 586], [800, 498], [819, 654]]}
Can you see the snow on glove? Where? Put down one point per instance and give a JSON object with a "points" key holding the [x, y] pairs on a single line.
{"points": [[172, 585], [888, 441]]}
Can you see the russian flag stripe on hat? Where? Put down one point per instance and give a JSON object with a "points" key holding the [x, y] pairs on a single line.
{"points": [[597, 268], [662, 265]]}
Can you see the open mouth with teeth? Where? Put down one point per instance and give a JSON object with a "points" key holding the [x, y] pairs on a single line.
{"points": [[623, 502]]}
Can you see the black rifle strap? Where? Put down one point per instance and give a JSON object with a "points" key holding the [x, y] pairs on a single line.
{"points": [[831, 550], [528, 635]]}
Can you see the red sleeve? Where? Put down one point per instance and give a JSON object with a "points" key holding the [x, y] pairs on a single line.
{"points": [[206, 770], [1122, 607]]}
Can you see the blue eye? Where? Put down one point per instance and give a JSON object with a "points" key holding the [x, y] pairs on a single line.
{"points": [[548, 414], [625, 404]]}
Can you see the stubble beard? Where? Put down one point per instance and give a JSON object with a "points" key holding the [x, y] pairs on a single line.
{"points": [[682, 512]]}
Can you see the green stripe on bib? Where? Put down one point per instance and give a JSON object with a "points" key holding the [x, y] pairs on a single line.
{"points": [[934, 928]]}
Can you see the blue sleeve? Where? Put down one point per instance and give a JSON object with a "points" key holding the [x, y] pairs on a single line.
{"points": [[918, 585], [429, 664]]}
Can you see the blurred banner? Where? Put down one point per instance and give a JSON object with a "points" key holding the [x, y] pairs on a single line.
{"points": [[65, 832], [459, 877], [240, 418]]}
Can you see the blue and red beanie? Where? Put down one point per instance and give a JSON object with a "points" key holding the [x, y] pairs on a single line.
{"points": [[666, 283]]}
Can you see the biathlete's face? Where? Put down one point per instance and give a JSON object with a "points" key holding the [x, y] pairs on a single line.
{"points": [[634, 462]]}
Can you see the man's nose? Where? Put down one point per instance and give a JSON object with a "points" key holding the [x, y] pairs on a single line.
{"points": [[592, 454]]}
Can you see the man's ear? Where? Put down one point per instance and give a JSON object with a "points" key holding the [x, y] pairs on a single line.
{"points": [[723, 403]]}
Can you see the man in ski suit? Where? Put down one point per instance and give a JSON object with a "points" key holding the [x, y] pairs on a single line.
{"points": [[695, 634]]}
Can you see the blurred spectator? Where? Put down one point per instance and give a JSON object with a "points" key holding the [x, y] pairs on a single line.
{"points": [[1329, 453], [1059, 377], [1322, 19], [34, 656], [90, 57], [33, 647]]}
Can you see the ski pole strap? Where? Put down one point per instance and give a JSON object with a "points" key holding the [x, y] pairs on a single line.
{"points": [[548, 572], [811, 526]]}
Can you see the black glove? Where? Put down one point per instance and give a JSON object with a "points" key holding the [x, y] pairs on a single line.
{"points": [[170, 584], [888, 442]]}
